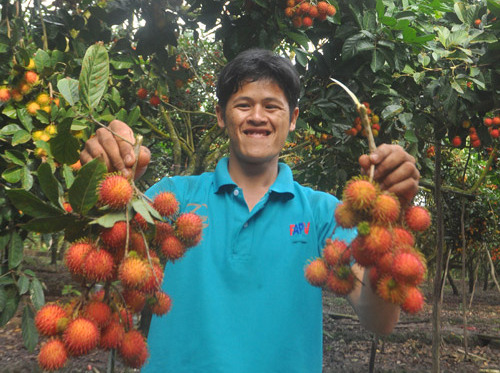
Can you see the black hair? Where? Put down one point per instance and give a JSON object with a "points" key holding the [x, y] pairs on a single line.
{"points": [[258, 64]]}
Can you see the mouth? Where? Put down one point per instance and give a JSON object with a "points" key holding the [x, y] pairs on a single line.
{"points": [[257, 132]]}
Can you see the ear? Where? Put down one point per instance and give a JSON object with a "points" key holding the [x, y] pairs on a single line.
{"points": [[293, 119], [220, 115]]}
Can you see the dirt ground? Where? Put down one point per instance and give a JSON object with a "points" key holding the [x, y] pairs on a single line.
{"points": [[347, 345]]}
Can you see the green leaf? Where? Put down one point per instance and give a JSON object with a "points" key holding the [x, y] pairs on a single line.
{"points": [[20, 137], [42, 60], [49, 224], [29, 331], [10, 129], [49, 184], [391, 111], [10, 307], [378, 60], [388, 21], [354, 45], [26, 178], [410, 136], [25, 119], [14, 157], [3, 298], [68, 176], [69, 89], [13, 175], [409, 34], [143, 207], [64, 147], [30, 204], [456, 86], [15, 250], [94, 75], [36, 293], [83, 192], [134, 116], [109, 219], [23, 284], [10, 111], [122, 62]]}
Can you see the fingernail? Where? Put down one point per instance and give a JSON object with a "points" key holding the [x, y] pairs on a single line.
{"points": [[374, 157], [128, 158]]}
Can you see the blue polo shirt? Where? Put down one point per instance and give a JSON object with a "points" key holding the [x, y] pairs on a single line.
{"points": [[241, 303]]}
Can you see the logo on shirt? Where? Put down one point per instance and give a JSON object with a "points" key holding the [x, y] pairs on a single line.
{"points": [[299, 228]]}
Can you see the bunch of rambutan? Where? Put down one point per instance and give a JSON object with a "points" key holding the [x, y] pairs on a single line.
{"points": [[120, 267], [385, 245]]}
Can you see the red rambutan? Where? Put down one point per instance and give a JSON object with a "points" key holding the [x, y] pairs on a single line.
{"points": [[75, 256], [417, 218], [340, 280], [188, 226], [386, 208], [408, 269], [52, 355], [378, 241], [81, 336], [391, 290], [99, 265], [161, 303], [316, 272], [414, 301], [116, 236], [132, 272], [133, 349], [134, 299], [115, 191], [99, 312], [402, 237], [172, 248], [336, 252], [345, 216], [360, 193], [153, 280], [166, 204], [48, 319], [112, 335]]}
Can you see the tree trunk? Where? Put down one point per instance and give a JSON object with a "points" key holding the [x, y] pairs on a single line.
{"points": [[436, 304], [486, 277], [476, 271], [453, 285], [464, 293]]}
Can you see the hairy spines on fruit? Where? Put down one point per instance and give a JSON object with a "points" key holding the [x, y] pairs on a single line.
{"points": [[414, 301], [391, 290], [99, 265], [133, 349], [360, 193], [75, 256], [132, 272], [386, 208], [81, 336], [417, 218], [112, 335], [336, 252], [153, 280], [99, 312], [116, 236], [340, 280], [52, 355], [161, 303], [115, 191], [345, 216], [48, 319], [316, 272], [173, 248], [188, 226], [408, 269], [166, 204]]}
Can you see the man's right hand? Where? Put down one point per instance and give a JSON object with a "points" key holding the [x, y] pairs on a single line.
{"points": [[114, 151]]}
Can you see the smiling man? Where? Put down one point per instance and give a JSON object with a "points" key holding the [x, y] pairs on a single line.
{"points": [[241, 302]]}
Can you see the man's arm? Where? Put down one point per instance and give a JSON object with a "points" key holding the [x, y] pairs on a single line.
{"points": [[396, 172], [114, 151]]}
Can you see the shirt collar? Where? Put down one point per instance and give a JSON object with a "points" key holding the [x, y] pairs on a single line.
{"points": [[282, 185]]}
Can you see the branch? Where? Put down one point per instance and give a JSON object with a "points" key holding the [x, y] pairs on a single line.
{"points": [[175, 141]]}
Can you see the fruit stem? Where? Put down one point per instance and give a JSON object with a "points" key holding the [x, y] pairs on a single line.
{"points": [[137, 149], [361, 109]]}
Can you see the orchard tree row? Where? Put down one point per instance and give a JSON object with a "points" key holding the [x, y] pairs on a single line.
{"points": [[427, 71]]}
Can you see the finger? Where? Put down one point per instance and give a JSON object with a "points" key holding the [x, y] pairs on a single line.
{"points": [[405, 190], [109, 143], [92, 150], [392, 162], [124, 137], [143, 162]]}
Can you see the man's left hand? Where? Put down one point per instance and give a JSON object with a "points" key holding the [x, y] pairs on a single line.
{"points": [[395, 171]]}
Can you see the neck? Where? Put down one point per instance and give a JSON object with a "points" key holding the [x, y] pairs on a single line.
{"points": [[254, 179]]}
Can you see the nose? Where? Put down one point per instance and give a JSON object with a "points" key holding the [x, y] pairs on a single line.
{"points": [[257, 115]]}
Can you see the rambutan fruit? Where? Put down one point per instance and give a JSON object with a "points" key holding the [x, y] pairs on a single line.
{"points": [[391, 290], [378, 241], [81, 336], [134, 299], [362, 256], [172, 248], [374, 276], [161, 303], [188, 226], [52, 355], [384, 262], [112, 335], [75, 256], [99, 312], [132, 272], [116, 236], [115, 191], [402, 237], [345, 216], [98, 265], [133, 349], [414, 301], [408, 269], [336, 252], [163, 230], [31, 77], [137, 244], [140, 222], [48, 319], [166, 204], [360, 193], [386, 208], [5, 94], [193, 241], [322, 7], [417, 218], [340, 280], [316, 272], [124, 317], [153, 280]]}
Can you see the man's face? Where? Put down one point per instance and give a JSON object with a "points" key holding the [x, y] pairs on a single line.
{"points": [[257, 120]]}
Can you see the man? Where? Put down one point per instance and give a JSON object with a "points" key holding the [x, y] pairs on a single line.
{"points": [[241, 302]]}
